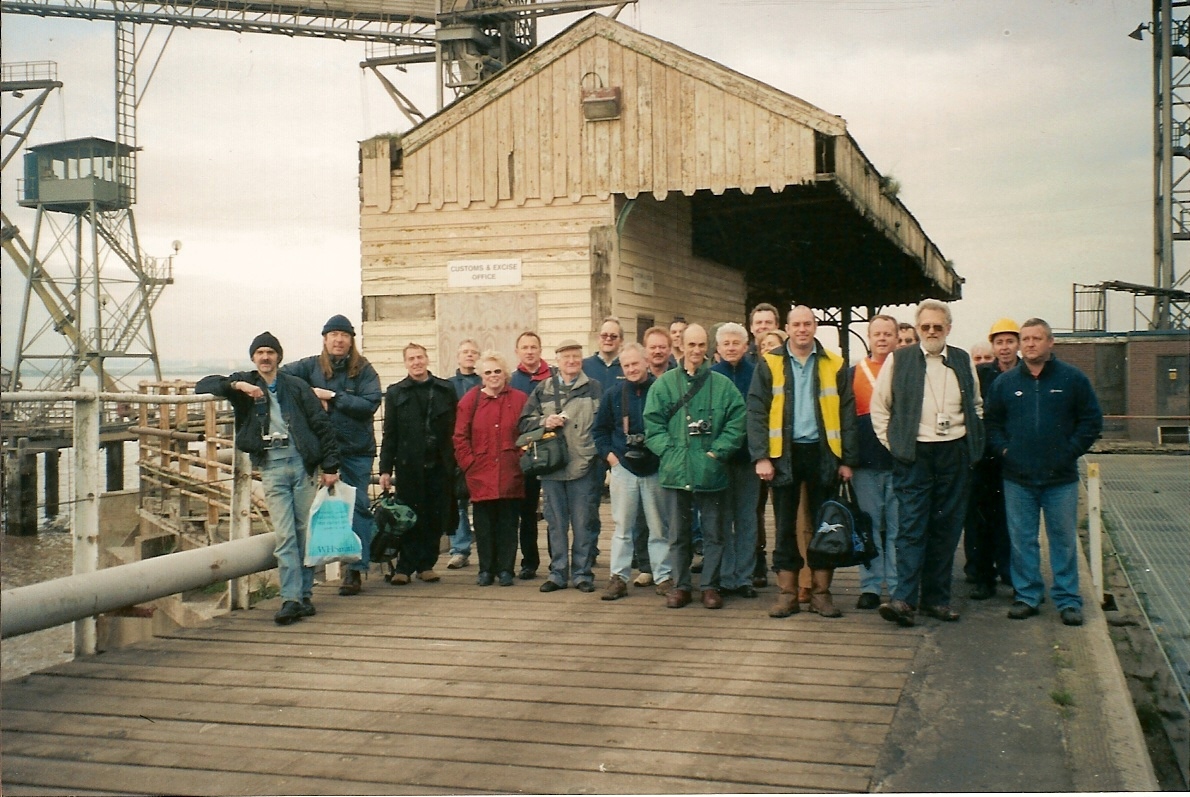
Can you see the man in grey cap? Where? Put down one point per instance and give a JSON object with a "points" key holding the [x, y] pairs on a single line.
{"points": [[349, 389], [282, 427], [568, 400]]}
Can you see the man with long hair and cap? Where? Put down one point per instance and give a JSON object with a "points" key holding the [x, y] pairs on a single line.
{"points": [[281, 425], [349, 389]]}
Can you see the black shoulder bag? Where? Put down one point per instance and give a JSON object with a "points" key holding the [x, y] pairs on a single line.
{"points": [[544, 451]]}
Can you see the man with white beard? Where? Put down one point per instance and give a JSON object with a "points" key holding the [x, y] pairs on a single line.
{"points": [[927, 411]]}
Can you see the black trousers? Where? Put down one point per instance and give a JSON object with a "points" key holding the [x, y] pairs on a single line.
{"points": [[530, 556], [786, 500], [985, 533], [419, 547], [496, 534]]}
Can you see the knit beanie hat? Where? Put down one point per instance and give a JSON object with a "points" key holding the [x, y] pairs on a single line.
{"points": [[266, 339], [338, 323]]}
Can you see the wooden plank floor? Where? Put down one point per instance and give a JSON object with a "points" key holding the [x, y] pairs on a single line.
{"points": [[432, 688]]}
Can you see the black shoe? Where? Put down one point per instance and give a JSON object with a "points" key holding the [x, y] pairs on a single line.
{"points": [[982, 592], [585, 586], [506, 579], [1020, 610], [290, 612], [549, 586], [1071, 615], [484, 579], [308, 609], [898, 612], [527, 574], [746, 591], [868, 600]]}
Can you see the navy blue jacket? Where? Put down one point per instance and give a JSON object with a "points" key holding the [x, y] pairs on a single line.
{"points": [[464, 382], [1040, 426], [355, 403], [609, 426], [740, 375], [606, 375]]}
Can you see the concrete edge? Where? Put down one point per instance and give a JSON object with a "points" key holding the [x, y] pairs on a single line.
{"points": [[1105, 740]]}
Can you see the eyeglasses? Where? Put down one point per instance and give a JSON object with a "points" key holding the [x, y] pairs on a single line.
{"points": [[495, 371], [932, 327], [608, 335]]}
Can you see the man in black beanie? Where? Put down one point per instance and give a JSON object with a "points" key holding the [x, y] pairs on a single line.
{"points": [[281, 425], [349, 389]]}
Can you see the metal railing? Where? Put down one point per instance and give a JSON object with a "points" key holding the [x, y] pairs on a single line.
{"points": [[89, 592]]}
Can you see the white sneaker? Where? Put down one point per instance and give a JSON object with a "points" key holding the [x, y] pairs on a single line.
{"points": [[643, 580], [458, 561]]}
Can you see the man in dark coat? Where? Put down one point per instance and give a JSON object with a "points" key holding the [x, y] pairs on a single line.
{"points": [[419, 422], [349, 389], [281, 426]]}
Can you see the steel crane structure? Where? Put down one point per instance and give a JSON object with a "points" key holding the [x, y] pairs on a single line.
{"points": [[100, 314]]}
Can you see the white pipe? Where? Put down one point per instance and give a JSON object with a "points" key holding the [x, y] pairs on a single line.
{"points": [[28, 396], [64, 600]]}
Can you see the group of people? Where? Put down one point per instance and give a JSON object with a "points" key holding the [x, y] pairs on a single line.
{"points": [[692, 440]]}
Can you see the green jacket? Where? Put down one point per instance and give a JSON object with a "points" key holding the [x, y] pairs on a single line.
{"points": [[685, 464]]}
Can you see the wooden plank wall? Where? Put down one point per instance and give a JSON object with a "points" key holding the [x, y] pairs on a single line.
{"points": [[657, 239], [405, 253], [676, 132]]}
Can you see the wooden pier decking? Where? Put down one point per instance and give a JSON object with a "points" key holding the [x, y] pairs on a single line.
{"points": [[449, 687]]}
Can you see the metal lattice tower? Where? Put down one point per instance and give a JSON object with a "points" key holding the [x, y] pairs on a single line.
{"points": [[1171, 160]]}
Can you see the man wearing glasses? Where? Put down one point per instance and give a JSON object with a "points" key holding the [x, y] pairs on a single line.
{"points": [[603, 367], [927, 411]]}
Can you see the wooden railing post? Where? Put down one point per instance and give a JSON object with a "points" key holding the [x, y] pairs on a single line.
{"points": [[1095, 529], [85, 525], [241, 519]]}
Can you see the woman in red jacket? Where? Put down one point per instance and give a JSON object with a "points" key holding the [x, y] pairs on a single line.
{"points": [[485, 448]]}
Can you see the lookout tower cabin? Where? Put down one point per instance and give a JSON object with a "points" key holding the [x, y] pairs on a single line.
{"points": [[68, 176], [608, 172]]}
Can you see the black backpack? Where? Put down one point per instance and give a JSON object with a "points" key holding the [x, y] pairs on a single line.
{"points": [[842, 534]]}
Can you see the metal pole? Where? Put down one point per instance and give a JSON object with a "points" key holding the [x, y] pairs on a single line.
{"points": [[85, 523], [1163, 75], [241, 519], [1095, 529], [52, 603], [438, 66]]}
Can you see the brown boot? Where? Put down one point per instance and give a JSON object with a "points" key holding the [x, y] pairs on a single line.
{"points": [[820, 594], [787, 598]]}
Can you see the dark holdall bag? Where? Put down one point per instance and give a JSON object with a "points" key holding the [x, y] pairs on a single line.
{"points": [[842, 534], [393, 518], [544, 451]]}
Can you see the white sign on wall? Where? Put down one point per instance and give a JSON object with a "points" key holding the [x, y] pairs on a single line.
{"points": [[642, 282], [483, 273]]}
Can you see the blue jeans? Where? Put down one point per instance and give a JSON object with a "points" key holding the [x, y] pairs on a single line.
{"points": [[680, 509], [1024, 506], [357, 471], [874, 494], [460, 541], [568, 507], [289, 492], [931, 504], [632, 494], [739, 526]]}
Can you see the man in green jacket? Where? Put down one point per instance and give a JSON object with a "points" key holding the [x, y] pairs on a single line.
{"points": [[694, 421]]}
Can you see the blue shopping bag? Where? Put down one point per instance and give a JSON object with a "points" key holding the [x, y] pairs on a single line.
{"points": [[329, 536]]}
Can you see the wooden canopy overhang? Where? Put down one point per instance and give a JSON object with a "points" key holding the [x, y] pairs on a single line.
{"points": [[778, 188]]}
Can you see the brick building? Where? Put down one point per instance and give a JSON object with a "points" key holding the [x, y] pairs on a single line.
{"points": [[1142, 379]]}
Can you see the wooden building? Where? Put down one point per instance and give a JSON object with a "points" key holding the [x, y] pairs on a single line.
{"points": [[608, 172]]}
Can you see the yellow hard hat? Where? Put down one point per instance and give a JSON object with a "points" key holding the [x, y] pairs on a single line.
{"points": [[1005, 325]]}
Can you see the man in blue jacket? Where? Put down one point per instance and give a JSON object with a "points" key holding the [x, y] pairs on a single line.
{"points": [[1041, 417], [349, 389]]}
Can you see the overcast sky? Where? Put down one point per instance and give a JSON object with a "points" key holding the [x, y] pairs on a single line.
{"points": [[1020, 131]]}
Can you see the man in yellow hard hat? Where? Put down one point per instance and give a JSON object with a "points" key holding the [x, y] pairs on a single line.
{"points": [[985, 536]]}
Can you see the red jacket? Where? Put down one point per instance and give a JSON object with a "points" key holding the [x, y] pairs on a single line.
{"points": [[485, 443]]}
